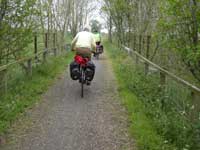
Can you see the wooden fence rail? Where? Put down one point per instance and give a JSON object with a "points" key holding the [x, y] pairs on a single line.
{"points": [[4, 67], [31, 59], [195, 91], [165, 72]]}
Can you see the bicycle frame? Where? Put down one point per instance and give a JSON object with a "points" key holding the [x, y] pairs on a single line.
{"points": [[83, 63]]}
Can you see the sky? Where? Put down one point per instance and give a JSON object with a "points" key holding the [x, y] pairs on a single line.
{"points": [[97, 14]]}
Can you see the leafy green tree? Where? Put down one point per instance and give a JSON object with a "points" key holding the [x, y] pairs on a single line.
{"points": [[95, 25], [180, 22], [17, 22]]}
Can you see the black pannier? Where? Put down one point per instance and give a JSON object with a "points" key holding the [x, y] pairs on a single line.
{"points": [[90, 71], [101, 48], [74, 71]]}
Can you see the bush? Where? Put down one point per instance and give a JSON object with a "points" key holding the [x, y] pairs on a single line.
{"points": [[166, 110]]}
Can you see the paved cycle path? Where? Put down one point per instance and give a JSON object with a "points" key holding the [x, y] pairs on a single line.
{"points": [[65, 121]]}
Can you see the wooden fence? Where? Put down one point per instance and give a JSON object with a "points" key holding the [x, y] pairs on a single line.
{"points": [[135, 52], [39, 56]]}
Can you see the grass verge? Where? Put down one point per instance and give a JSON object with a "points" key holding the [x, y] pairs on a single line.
{"points": [[26, 91], [141, 128]]}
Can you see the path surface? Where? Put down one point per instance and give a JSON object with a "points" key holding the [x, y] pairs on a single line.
{"points": [[64, 121]]}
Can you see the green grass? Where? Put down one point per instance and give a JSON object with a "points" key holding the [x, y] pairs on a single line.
{"points": [[27, 91], [142, 127]]}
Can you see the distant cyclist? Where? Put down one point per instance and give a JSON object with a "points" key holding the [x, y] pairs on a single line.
{"points": [[99, 46], [97, 37]]}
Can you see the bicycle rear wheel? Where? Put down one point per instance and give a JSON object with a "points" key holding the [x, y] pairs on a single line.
{"points": [[97, 56], [82, 83]]}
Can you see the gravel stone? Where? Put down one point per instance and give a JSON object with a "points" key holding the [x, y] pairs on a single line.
{"points": [[65, 121]]}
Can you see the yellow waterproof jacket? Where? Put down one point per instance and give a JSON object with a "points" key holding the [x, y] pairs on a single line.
{"points": [[84, 39], [97, 37]]}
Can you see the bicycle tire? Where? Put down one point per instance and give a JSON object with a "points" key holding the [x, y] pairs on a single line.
{"points": [[97, 56], [82, 83]]}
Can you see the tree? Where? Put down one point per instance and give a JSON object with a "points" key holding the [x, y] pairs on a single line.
{"points": [[180, 22], [95, 25], [79, 15], [17, 24]]}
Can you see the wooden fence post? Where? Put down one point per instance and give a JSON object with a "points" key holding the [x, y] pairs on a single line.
{"points": [[35, 48], [162, 80], [143, 45], [46, 40], [162, 85], [54, 44], [6, 81], [147, 54], [46, 47], [195, 106], [44, 56], [135, 48], [139, 48], [140, 45], [134, 42], [29, 63]]}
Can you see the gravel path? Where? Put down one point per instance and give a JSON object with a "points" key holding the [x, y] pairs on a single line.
{"points": [[64, 121]]}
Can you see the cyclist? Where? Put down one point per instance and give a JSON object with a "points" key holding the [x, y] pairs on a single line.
{"points": [[84, 44], [97, 37]]}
